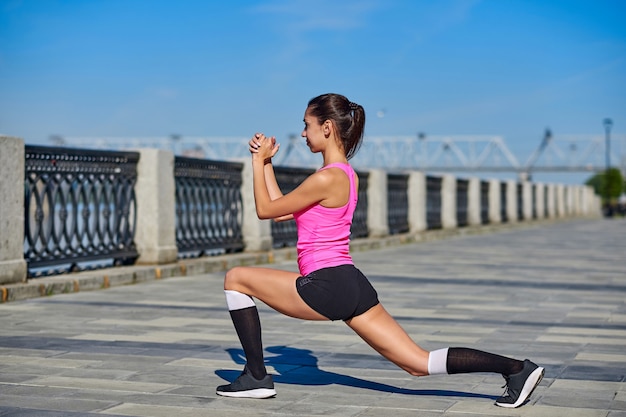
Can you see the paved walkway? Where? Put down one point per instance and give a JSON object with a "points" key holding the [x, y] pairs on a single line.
{"points": [[555, 293]]}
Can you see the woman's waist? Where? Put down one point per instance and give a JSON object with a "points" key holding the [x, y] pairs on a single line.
{"points": [[312, 261]]}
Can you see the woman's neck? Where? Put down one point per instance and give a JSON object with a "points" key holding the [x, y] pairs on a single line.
{"points": [[334, 156]]}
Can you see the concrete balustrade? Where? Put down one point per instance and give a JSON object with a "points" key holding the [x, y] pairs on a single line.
{"points": [[417, 202], [539, 200], [473, 202], [448, 202], [495, 215], [12, 264], [257, 234], [511, 201], [155, 235], [551, 201], [560, 201], [377, 223], [527, 201]]}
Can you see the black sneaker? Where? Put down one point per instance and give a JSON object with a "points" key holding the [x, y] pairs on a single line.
{"points": [[519, 386], [246, 386]]}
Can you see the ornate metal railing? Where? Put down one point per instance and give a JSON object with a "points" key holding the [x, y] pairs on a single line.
{"points": [[359, 219], [503, 210], [208, 206], [397, 203], [461, 202], [533, 198], [433, 202], [284, 233], [484, 202], [79, 207]]}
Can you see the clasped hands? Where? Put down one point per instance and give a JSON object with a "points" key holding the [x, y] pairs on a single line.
{"points": [[263, 147]]}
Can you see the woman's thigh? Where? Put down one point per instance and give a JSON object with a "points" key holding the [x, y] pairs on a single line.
{"points": [[275, 287], [383, 333]]}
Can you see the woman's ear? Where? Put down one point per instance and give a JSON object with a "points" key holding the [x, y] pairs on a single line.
{"points": [[327, 128]]}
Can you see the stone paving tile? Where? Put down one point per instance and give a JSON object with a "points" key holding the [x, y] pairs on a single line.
{"points": [[554, 293]]}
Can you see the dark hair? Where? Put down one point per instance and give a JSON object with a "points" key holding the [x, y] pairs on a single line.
{"points": [[348, 118]]}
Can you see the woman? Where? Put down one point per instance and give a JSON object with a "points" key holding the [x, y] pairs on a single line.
{"points": [[329, 286]]}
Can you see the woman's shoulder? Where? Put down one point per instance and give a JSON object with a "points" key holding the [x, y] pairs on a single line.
{"points": [[326, 174]]}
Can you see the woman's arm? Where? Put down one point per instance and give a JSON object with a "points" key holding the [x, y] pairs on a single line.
{"points": [[273, 188], [314, 189], [268, 171]]}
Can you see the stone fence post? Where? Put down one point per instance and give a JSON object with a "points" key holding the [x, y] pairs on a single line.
{"points": [[527, 200], [540, 203], [567, 200], [511, 201], [257, 233], [155, 235], [560, 200], [12, 263], [589, 201], [577, 199], [417, 201], [473, 202], [377, 222], [448, 202], [551, 201], [495, 216]]}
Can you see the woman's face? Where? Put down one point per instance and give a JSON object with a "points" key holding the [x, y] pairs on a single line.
{"points": [[313, 133]]}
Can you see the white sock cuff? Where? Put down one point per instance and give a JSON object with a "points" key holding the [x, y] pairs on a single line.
{"points": [[236, 300], [437, 362]]}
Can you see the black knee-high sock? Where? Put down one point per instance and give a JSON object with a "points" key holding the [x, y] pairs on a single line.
{"points": [[465, 360], [248, 327]]}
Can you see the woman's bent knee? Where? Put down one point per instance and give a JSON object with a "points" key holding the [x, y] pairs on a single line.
{"points": [[233, 277]]}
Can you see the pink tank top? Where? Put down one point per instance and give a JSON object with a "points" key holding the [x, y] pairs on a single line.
{"points": [[324, 233]]}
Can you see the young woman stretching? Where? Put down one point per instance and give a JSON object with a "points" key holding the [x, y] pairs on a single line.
{"points": [[329, 286]]}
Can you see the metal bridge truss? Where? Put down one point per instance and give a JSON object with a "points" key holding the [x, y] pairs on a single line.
{"points": [[571, 153]]}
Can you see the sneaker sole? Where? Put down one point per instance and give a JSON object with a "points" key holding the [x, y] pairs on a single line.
{"points": [[258, 393], [529, 386]]}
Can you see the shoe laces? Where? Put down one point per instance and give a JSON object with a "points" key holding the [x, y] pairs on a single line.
{"points": [[506, 384]]}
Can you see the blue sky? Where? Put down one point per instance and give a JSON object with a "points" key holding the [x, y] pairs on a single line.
{"points": [[231, 68]]}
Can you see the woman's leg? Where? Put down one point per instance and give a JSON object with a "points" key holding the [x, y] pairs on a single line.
{"points": [[383, 333], [276, 288], [386, 336]]}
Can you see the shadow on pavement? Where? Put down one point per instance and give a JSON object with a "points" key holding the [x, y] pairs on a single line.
{"points": [[299, 367]]}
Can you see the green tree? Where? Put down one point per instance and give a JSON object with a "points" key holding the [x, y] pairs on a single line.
{"points": [[608, 184]]}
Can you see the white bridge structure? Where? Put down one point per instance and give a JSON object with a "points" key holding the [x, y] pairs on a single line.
{"points": [[459, 153]]}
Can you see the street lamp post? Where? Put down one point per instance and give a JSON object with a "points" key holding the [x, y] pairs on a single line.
{"points": [[608, 123]]}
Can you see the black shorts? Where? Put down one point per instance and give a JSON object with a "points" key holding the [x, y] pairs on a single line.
{"points": [[337, 293]]}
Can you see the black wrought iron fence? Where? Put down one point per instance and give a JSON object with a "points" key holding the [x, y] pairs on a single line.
{"points": [[484, 202], [79, 207], [359, 219], [503, 210], [209, 213], [533, 198], [462, 187], [397, 203], [285, 233], [433, 202]]}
